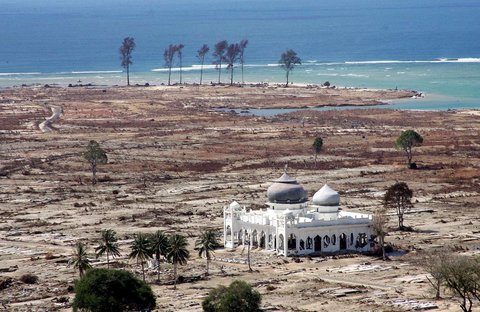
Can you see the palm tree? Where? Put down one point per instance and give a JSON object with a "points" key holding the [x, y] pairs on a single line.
{"points": [[168, 57], [159, 244], [219, 54], [108, 245], [230, 57], [201, 56], [79, 259], [179, 49], [141, 250], [206, 244], [242, 46], [126, 49], [177, 253]]}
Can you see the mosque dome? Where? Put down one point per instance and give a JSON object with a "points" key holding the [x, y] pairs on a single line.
{"points": [[235, 206], [286, 190], [326, 197]]}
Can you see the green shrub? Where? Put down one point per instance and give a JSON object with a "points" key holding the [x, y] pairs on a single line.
{"points": [[238, 297], [112, 290]]}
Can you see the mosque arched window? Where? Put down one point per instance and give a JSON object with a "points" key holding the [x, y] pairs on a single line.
{"points": [[326, 241], [361, 240], [309, 242], [334, 239], [302, 244]]}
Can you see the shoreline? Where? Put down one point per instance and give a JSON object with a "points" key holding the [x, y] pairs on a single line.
{"points": [[253, 95]]}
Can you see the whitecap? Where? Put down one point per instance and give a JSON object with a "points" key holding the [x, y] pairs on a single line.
{"points": [[19, 74], [86, 72], [355, 75], [190, 68], [331, 75], [438, 60]]}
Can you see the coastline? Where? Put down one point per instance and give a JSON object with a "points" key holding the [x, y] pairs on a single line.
{"points": [[250, 96]]}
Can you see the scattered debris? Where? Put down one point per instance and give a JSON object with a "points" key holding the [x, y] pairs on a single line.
{"points": [[340, 292], [413, 304]]}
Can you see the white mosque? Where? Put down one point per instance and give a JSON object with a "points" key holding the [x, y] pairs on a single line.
{"points": [[292, 226]]}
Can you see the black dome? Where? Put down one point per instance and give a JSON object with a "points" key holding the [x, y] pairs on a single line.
{"points": [[286, 190]]}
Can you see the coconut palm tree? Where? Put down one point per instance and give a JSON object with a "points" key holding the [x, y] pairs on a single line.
{"points": [[230, 57], [206, 245], [242, 45], [168, 57], [108, 245], [201, 56], [141, 250], [126, 49], [219, 55], [177, 253], [79, 259], [179, 49], [159, 244]]}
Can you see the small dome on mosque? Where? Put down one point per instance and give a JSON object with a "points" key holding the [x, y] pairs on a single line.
{"points": [[326, 197], [235, 206], [286, 190]]}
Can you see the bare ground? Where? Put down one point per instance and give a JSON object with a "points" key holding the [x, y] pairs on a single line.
{"points": [[174, 162]]}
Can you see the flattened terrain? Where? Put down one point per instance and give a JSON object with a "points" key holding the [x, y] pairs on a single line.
{"points": [[174, 162]]}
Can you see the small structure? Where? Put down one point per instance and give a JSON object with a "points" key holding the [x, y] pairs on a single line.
{"points": [[292, 226]]}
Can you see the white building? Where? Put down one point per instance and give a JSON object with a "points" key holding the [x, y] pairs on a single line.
{"points": [[291, 226]]}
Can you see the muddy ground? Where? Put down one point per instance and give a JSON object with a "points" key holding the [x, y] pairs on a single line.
{"points": [[175, 161]]}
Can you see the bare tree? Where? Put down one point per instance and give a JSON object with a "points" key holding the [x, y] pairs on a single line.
{"points": [[168, 56], [201, 56], [398, 197], [231, 56], [219, 55], [126, 50], [179, 49], [242, 46], [379, 225], [462, 276], [433, 263]]}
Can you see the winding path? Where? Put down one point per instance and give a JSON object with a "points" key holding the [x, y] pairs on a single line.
{"points": [[46, 126]]}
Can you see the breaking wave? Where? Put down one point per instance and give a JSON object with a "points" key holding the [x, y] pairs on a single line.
{"points": [[95, 72], [439, 60], [19, 74]]}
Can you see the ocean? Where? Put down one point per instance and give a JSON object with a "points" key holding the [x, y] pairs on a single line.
{"points": [[431, 45]]}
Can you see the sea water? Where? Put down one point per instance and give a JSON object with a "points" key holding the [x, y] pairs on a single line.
{"points": [[431, 45]]}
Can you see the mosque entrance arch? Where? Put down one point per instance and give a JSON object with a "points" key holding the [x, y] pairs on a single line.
{"points": [[317, 243], [228, 233], [292, 242], [343, 241], [262, 239], [254, 239], [280, 242]]}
